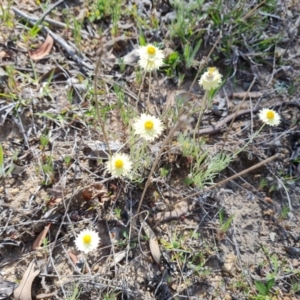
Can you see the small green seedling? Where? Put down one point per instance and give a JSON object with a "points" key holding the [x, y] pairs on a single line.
{"points": [[224, 226], [264, 289], [117, 212]]}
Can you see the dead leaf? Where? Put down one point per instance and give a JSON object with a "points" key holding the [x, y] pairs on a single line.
{"points": [[269, 200], [180, 209], [4, 54], [23, 291], [116, 258], [154, 248], [38, 241], [73, 257], [43, 50], [153, 243], [94, 191]]}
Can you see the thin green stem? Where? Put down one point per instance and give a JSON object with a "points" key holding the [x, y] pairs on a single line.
{"points": [[205, 100], [147, 105], [166, 140], [138, 97], [251, 139]]}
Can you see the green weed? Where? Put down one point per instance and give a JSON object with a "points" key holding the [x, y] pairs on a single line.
{"points": [[77, 32], [163, 172], [117, 212], [76, 292], [101, 9], [264, 289], [189, 54], [184, 24], [284, 212], [224, 225], [44, 141], [112, 296], [6, 17]]}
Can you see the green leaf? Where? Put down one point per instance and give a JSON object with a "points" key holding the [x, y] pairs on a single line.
{"points": [[261, 288], [270, 284], [142, 39], [172, 58]]}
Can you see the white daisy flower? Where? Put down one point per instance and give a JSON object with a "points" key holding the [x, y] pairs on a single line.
{"points": [[148, 127], [87, 240], [119, 164], [211, 79], [269, 117], [151, 58]]}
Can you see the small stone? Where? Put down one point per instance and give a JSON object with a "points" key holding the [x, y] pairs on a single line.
{"points": [[296, 263], [39, 254], [14, 191]]}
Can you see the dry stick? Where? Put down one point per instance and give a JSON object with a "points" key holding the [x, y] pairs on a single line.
{"points": [[234, 176], [218, 127], [253, 10], [171, 133], [237, 110], [48, 11]]}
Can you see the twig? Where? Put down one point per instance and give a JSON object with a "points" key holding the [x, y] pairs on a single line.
{"points": [[48, 11], [236, 112], [287, 193], [65, 26], [234, 176], [19, 124], [216, 128], [250, 13]]}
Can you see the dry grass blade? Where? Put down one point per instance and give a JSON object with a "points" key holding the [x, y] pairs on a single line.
{"points": [[117, 257], [154, 247], [153, 243], [38, 241], [23, 291], [43, 50]]}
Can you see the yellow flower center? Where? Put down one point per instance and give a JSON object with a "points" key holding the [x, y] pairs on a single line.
{"points": [[270, 114], [211, 70], [87, 239], [151, 50], [148, 124], [119, 163]]}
